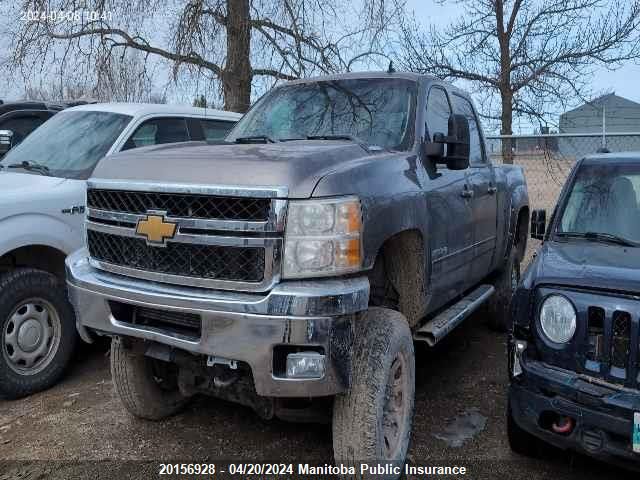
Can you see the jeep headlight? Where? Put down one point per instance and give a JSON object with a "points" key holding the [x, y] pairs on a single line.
{"points": [[558, 318], [323, 237]]}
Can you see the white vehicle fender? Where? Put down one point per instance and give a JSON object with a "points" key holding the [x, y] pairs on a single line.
{"points": [[37, 229]]}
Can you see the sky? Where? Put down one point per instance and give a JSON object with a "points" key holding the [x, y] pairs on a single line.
{"points": [[428, 12]]}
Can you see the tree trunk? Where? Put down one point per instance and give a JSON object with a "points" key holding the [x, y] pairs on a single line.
{"points": [[508, 145], [236, 77], [506, 94]]}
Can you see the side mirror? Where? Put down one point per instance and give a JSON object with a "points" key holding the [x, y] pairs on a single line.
{"points": [[458, 143], [435, 149], [538, 224], [6, 141]]}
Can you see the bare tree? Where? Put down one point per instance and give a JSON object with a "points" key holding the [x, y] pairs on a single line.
{"points": [[526, 58], [230, 41], [124, 78]]}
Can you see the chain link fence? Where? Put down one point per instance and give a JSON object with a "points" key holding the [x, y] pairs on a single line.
{"points": [[547, 161]]}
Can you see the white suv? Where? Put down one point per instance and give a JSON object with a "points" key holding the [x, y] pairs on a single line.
{"points": [[42, 204]]}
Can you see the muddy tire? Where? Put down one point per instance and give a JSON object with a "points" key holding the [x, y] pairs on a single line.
{"points": [[505, 283], [372, 420], [147, 387], [37, 332], [521, 441]]}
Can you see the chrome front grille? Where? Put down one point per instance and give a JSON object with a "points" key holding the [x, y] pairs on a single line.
{"points": [[181, 204], [240, 264], [225, 238]]}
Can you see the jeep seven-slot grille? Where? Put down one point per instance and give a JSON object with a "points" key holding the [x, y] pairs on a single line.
{"points": [[610, 343], [242, 264], [181, 205]]}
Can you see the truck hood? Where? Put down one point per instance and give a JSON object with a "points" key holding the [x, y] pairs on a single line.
{"points": [[589, 265], [15, 185], [297, 165]]}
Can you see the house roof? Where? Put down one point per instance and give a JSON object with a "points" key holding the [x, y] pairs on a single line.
{"points": [[604, 100]]}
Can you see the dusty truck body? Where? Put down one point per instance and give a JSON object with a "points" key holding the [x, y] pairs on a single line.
{"points": [[575, 347], [342, 218]]}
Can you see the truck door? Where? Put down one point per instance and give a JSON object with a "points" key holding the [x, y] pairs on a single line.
{"points": [[449, 207], [484, 205]]}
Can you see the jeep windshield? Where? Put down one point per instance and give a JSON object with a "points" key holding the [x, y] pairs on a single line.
{"points": [[68, 145], [604, 205], [376, 112]]}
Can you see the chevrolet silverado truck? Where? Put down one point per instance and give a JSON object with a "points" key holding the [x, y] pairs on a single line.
{"points": [[42, 205], [575, 344], [291, 267]]}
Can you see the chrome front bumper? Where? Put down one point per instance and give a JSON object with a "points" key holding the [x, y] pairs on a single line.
{"points": [[237, 326]]}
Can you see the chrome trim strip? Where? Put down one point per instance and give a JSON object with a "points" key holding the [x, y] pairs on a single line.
{"points": [[186, 237], [196, 223], [200, 189]]}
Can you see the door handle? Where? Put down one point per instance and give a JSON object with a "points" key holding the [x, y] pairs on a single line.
{"points": [[466, 193], [492, 189]]}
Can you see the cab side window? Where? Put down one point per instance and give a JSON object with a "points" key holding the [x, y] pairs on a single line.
{"points": [[158, 131], [438, 112], [462, 106]]}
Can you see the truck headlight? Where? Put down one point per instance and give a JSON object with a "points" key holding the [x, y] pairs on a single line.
{"points": [[558, 318], [323, 237]]}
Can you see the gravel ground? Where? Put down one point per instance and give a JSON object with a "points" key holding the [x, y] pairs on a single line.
{"points": [[78, 429]]}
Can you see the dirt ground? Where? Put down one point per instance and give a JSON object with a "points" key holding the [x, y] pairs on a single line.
{"points": [[78, 429]]}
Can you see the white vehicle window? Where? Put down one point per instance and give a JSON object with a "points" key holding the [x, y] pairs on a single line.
{"points": [[157, 131], [70, 143]]}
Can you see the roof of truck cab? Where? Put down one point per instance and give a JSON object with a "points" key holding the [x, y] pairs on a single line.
{"points": [[142, 109], [364, 75], [617, 157]]}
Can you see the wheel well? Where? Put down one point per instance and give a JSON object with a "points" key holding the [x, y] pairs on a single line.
{"points": [[398, 279], [42, 257], [522, 232]]}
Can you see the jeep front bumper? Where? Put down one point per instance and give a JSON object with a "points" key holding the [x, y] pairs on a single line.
{"points": [[236, 326], [602, 413]]}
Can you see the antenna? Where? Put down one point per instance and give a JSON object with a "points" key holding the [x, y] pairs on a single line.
{"points": [[391, 69]]}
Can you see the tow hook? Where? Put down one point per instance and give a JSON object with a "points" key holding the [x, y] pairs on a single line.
{"points": [[563, 425]]}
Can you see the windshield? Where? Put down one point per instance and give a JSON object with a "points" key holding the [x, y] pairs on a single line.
{"points": [[70, 143], [378, 112], [604, 199]]}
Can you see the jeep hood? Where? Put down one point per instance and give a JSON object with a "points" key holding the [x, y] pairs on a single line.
{"points": [[589, 264], [297, 165]]}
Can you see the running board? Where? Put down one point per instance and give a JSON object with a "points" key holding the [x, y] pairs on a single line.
{"points": [[441, 325]]}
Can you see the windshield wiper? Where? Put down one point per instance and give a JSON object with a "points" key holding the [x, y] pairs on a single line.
{"points": [[341, 136], [32, 167], [601, 237], [255, 139]]}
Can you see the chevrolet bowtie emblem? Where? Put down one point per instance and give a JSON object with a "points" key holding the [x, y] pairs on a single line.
{"points": [[156, 229]]}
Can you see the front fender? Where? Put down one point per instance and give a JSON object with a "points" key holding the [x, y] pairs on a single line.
{"points": [[519, 199], [38, 229]]}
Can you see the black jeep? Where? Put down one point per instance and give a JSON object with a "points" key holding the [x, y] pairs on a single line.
{"points": [[574, 352]]}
